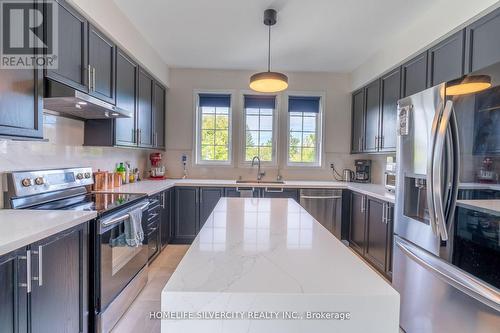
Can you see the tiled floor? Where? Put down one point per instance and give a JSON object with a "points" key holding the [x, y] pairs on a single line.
{"points": [[136, 319]]}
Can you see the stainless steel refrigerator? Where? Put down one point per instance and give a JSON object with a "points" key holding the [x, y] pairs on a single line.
{"points": [[446, 261]]}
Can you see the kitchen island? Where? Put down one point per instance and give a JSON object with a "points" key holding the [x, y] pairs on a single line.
{"points": [[265, 265]]}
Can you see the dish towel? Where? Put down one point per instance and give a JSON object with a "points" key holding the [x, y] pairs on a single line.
{"points": [[133, 228]]}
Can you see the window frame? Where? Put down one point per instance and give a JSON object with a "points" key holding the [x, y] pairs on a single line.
{"points": [[320, 129], [197, 127], [242, 144]]}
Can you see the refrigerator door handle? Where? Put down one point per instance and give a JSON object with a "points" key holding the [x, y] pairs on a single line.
{"points": [[430, 164], [459, 279], [437, 165]]}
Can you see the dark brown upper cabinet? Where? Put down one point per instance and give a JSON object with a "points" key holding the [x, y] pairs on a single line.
{"points": [[72, 69], [483, 42], [21, 107], [127, 72], [102, 65], [159, 115], [446, 59], [414, 75], [145, 109], [390, 94], [358, 121], [372, 113]]}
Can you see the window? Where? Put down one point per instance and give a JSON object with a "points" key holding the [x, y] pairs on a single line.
{"points": [[304, 127], [259, 127], [213, 135]]}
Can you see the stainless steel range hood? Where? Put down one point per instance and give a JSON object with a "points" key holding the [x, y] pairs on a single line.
{"points": [[72, 103]]}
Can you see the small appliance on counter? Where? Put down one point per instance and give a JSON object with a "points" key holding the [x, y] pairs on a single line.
{"points": [[363, 170], [487, 172], [390, 174], [157, 170], [348, 175]]}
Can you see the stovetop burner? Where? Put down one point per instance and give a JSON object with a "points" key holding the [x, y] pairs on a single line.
{"points": [[100, 202]]}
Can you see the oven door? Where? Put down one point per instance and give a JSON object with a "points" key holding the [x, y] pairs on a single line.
{"points": [[119, 262]]}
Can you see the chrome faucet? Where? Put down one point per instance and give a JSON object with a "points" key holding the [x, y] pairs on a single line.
{"points": [[259, 173]]}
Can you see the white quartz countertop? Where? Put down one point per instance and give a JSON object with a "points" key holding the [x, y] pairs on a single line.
{"points": [[20, 227], [484, 206], [259, 253], [151, 187]]}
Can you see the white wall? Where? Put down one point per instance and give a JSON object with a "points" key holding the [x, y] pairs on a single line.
{"points": [[108, 17], [181, 112], [436, 24]]}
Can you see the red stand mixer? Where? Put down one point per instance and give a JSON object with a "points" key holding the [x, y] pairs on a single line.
{"points": [[157, 170]]}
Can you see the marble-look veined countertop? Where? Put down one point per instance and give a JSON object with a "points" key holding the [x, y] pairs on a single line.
{"points": [[21, 227], [261, 254], [151, 187]]}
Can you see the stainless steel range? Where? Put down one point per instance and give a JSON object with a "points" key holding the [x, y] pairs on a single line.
{"points": [[118, 271], [446, 262]]}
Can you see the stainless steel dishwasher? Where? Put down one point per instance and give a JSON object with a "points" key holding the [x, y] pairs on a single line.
{"points": [[325, 205]]}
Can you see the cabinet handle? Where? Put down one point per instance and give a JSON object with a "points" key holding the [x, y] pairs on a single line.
{"points": [[89, 77], [93, 78], [27, 257], [362, 204], [384, 213], [39, 278], [359, 143], [139, 136], [381, 145], [163, 200]]}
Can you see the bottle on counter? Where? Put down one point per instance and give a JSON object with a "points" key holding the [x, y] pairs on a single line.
{"points": [[127, 172], [122, 171]]}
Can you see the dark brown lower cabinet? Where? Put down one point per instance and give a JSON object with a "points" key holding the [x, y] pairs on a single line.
{"points": [[371, 231], [55, 299], [358, 220]]}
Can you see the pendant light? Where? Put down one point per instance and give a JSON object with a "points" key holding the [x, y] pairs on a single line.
{"points": [[468, 85], [268, 82]]}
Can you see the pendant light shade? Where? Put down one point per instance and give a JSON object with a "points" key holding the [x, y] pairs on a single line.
{"points": [[269, 82], [468, 85]]}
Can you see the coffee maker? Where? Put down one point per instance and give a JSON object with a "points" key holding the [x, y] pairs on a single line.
{"points": [[363, 170]]}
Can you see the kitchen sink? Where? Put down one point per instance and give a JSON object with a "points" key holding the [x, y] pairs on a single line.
{"points": [[260, 182]]}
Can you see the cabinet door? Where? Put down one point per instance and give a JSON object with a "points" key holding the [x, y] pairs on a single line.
{"points": [[414, 75], [186, 214], [145, 109], [126, 98], [358, 124], [483, 42], [209, 197], [390, 94], [377, 233], [13, 293], [357, 225], [72, 68], [165, 218], [446, 59], [102, 55], [21, 110], [235, 192], [60, 282], [372, 113], [272, 192], [159, 115]]}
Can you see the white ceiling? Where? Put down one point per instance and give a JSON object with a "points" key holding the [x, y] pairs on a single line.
{"points": [[311, 35]]}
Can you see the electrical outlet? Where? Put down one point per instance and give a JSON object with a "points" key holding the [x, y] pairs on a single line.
{"points": [[184, 158], [332, 166]]}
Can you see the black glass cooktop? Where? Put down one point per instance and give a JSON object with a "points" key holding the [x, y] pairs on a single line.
{"points": [[100, 202]]}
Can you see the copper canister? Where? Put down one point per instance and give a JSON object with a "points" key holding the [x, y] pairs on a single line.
{"points": [[117, 179], [100, 180], [111, 180]]}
